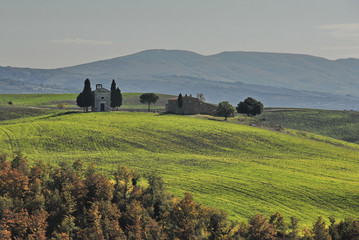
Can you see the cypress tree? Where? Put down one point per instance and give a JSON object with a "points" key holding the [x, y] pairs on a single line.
{"points": [[113, 90], [86, 99], [80, 101], [118, 98], [180, 101], [88, 94]]}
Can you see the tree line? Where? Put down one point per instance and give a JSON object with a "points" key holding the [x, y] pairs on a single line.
{"points": [[86, 98], [75, 201], [249, 106]]}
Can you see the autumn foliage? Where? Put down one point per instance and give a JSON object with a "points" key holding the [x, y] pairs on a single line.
{"points": [[74, 201]]}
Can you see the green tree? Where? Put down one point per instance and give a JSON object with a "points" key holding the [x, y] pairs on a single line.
{"points": [[320, 230], [250, 106], [278, 222], [186, 220], [155, 198], [123, 185], [180, 100], [149, 98], [225, 109], [218, 225], [294, 228]]}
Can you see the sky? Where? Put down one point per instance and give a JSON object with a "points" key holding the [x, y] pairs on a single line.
{"points": [[54, 34]]}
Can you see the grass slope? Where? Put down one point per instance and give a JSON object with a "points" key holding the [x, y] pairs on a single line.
{"points": [[11, 112], [241, 169], [343, 125]]}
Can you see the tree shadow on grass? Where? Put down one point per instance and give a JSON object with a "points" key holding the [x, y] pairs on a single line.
{"points": [[61, 114]]}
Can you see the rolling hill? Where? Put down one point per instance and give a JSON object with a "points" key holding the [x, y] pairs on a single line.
{"points": [[15, 87], [242, 169], [131, 101], [277, 79], [342, 125]]}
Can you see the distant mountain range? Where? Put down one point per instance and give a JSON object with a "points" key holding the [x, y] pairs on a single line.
{"points": [[276, 79]]}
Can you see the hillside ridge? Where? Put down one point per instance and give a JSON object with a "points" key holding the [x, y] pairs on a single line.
{"points": [[278, 79]]}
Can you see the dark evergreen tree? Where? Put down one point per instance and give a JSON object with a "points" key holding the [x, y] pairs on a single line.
{"points": [[88, 95], [117, 98], [85, 98], [250, 106], [278, 222], [347, 229], [333, 229], [113, 90], [80, 101], [180, 100], [294, 228], [149, 98]]}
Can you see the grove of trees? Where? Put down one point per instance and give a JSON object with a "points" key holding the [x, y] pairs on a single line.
{"points": [[75, 201], [149, 98], [250, 106]]}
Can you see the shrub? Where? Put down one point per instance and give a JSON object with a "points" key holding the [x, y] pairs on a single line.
{"points": [[61, 105]]}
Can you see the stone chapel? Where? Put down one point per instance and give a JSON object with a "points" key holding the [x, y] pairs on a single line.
{"points": [[102, 99]]}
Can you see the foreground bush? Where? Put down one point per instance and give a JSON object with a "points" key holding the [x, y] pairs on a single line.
{"points": [[74, 201]]}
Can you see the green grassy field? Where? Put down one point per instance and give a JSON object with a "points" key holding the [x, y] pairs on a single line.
{"points": [[38, 99], [242, 169], [130, 100], [12, 112], [343, 125]]}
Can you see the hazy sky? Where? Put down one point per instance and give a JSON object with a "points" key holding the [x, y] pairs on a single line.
{"points": [[50, 34]]}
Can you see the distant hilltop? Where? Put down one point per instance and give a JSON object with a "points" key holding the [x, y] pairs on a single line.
{"points": [[276, 79]]}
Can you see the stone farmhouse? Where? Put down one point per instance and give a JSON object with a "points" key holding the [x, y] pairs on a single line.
{"points": [[191, 105], [102, 99]]}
